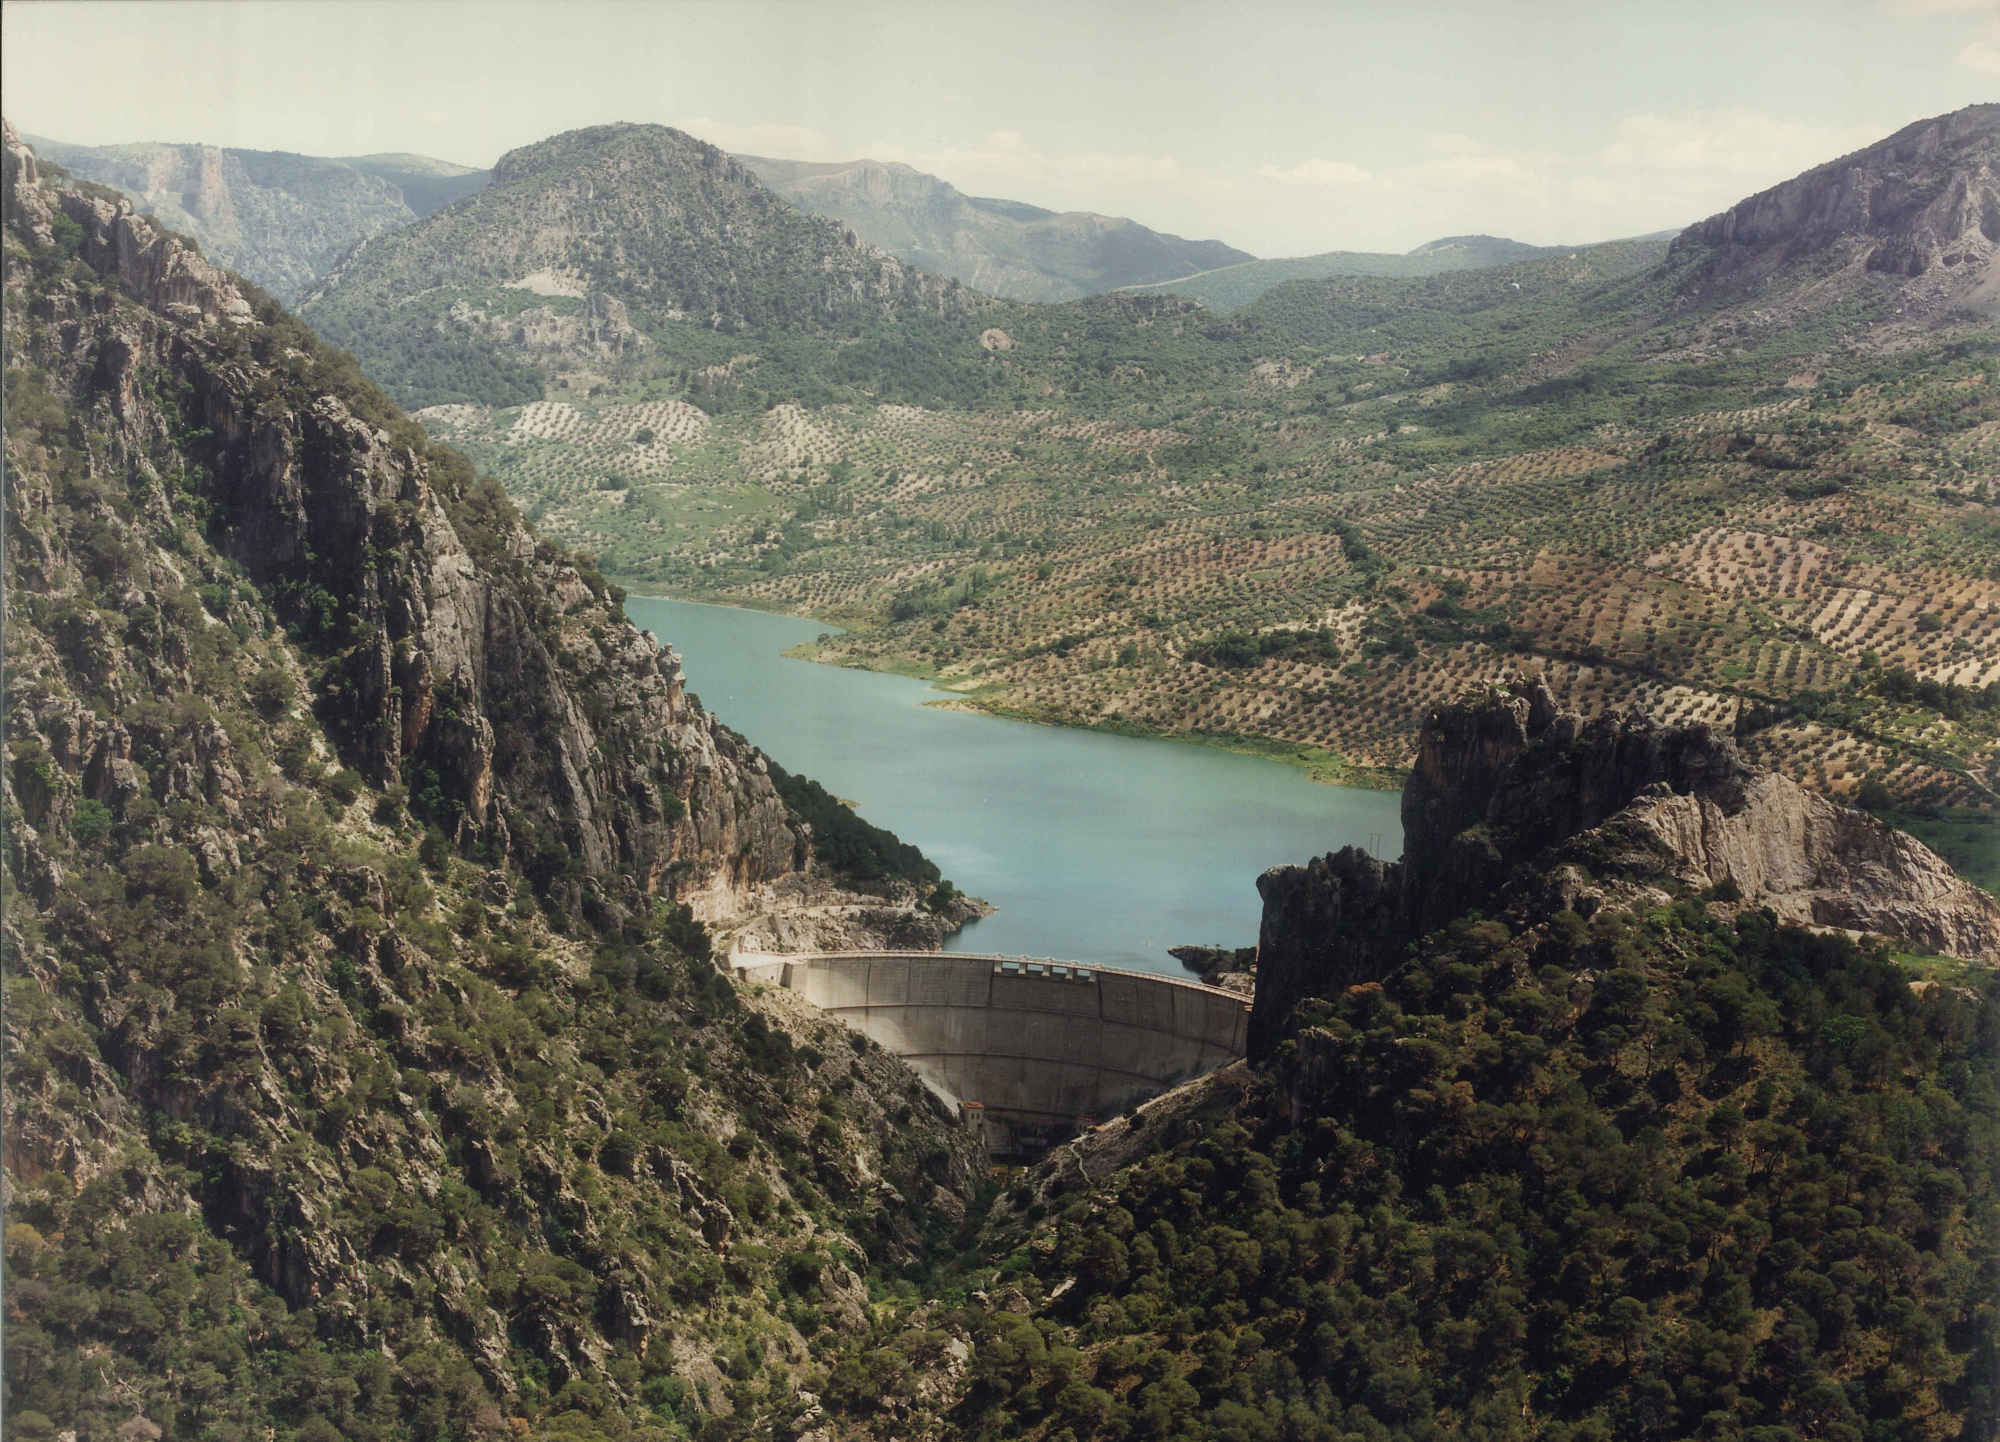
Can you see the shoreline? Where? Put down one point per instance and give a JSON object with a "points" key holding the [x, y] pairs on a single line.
{"points": [[1322, 768], [1332, 771]]}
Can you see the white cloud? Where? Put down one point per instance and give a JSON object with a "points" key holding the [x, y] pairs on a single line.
{"points": [[1466, 160], [1315, 171], [1733, 144], [780, 141], [1008, 158], [1983, 53], [1939, 7]]}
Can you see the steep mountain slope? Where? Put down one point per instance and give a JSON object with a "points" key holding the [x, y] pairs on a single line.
{"points": [[280, 219], [426, 185], [609, 254], [1231, 287], [366, 1071], [1593, 1153], [1922, 205], [1001, 247]]}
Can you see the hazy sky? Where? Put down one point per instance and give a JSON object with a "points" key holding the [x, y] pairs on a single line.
{"points": [[1282, 128]]}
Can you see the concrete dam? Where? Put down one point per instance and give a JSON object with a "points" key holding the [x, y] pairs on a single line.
{"points": [[1029, 1050]]}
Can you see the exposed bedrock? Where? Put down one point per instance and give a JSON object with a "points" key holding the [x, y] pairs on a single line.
{"points": [[1507, 789]]}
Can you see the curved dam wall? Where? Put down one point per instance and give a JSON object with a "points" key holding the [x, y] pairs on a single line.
{"points": [[1029, 1049]]}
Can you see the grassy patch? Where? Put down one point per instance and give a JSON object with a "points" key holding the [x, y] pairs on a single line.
{"points": [[1969, 839]]}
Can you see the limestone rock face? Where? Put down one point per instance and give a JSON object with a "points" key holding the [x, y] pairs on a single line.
{"points": [[1328, 924], [1924, 202], [281, 220], [1813, 861], [459, 651], [1508, 792]]}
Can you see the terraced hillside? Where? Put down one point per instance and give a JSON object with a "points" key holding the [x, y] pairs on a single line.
{"points": [[1781, 566], [1764, 502]]}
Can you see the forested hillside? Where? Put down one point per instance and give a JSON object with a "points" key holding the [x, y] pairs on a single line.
{"points": [[368, 1073], [625, 254], [1544, 1134]]}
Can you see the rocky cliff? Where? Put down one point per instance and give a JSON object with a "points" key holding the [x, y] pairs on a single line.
{"points": [[367, 1069], [1511, 797], [1000, 247], [1924, 203], [456, 655], [279, 219]]}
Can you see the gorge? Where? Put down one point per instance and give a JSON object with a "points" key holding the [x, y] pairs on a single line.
{"points": [[375, 1072]]}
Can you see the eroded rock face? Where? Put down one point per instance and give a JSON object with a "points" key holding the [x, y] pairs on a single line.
{"points": [[1813, 861], [1331, 923], [1926, 200], [482, 663], [1508, 792]]}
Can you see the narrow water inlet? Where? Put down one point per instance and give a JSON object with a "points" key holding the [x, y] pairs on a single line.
{"points": [[1030, 1050]]}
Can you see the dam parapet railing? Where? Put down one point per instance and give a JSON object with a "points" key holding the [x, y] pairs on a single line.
{"points": [[1032, 1048]]}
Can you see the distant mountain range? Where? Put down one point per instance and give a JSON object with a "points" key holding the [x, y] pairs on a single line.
{"points": [[284, 220], [279, 219], [1002, 247], [1231, 287]]}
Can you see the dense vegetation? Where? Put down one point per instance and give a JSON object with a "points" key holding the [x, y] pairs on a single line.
{"points": [[1646, 1175], [332, 1110], [678, 256], [844, 840]]}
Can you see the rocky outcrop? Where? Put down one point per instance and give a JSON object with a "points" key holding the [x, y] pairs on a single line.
{"points": [[1233, 968], [809, 911], [462, 658], [279, 219], [1510, 795], [1813, 861], [1924, 202]]}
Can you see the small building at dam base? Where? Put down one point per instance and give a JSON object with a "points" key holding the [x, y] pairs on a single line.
{"points": [[1031, 1050]]}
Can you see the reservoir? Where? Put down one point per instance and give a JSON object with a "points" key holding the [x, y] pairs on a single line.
{"points": [[1094, 847]]}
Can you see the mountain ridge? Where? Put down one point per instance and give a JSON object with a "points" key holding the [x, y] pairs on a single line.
{"points": [[1923, 203], [1231, 287], [611, 252], [280, 218], [1003, 247]]}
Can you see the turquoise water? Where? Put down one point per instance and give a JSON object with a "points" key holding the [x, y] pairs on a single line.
{"points": [[1094, 847]]}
